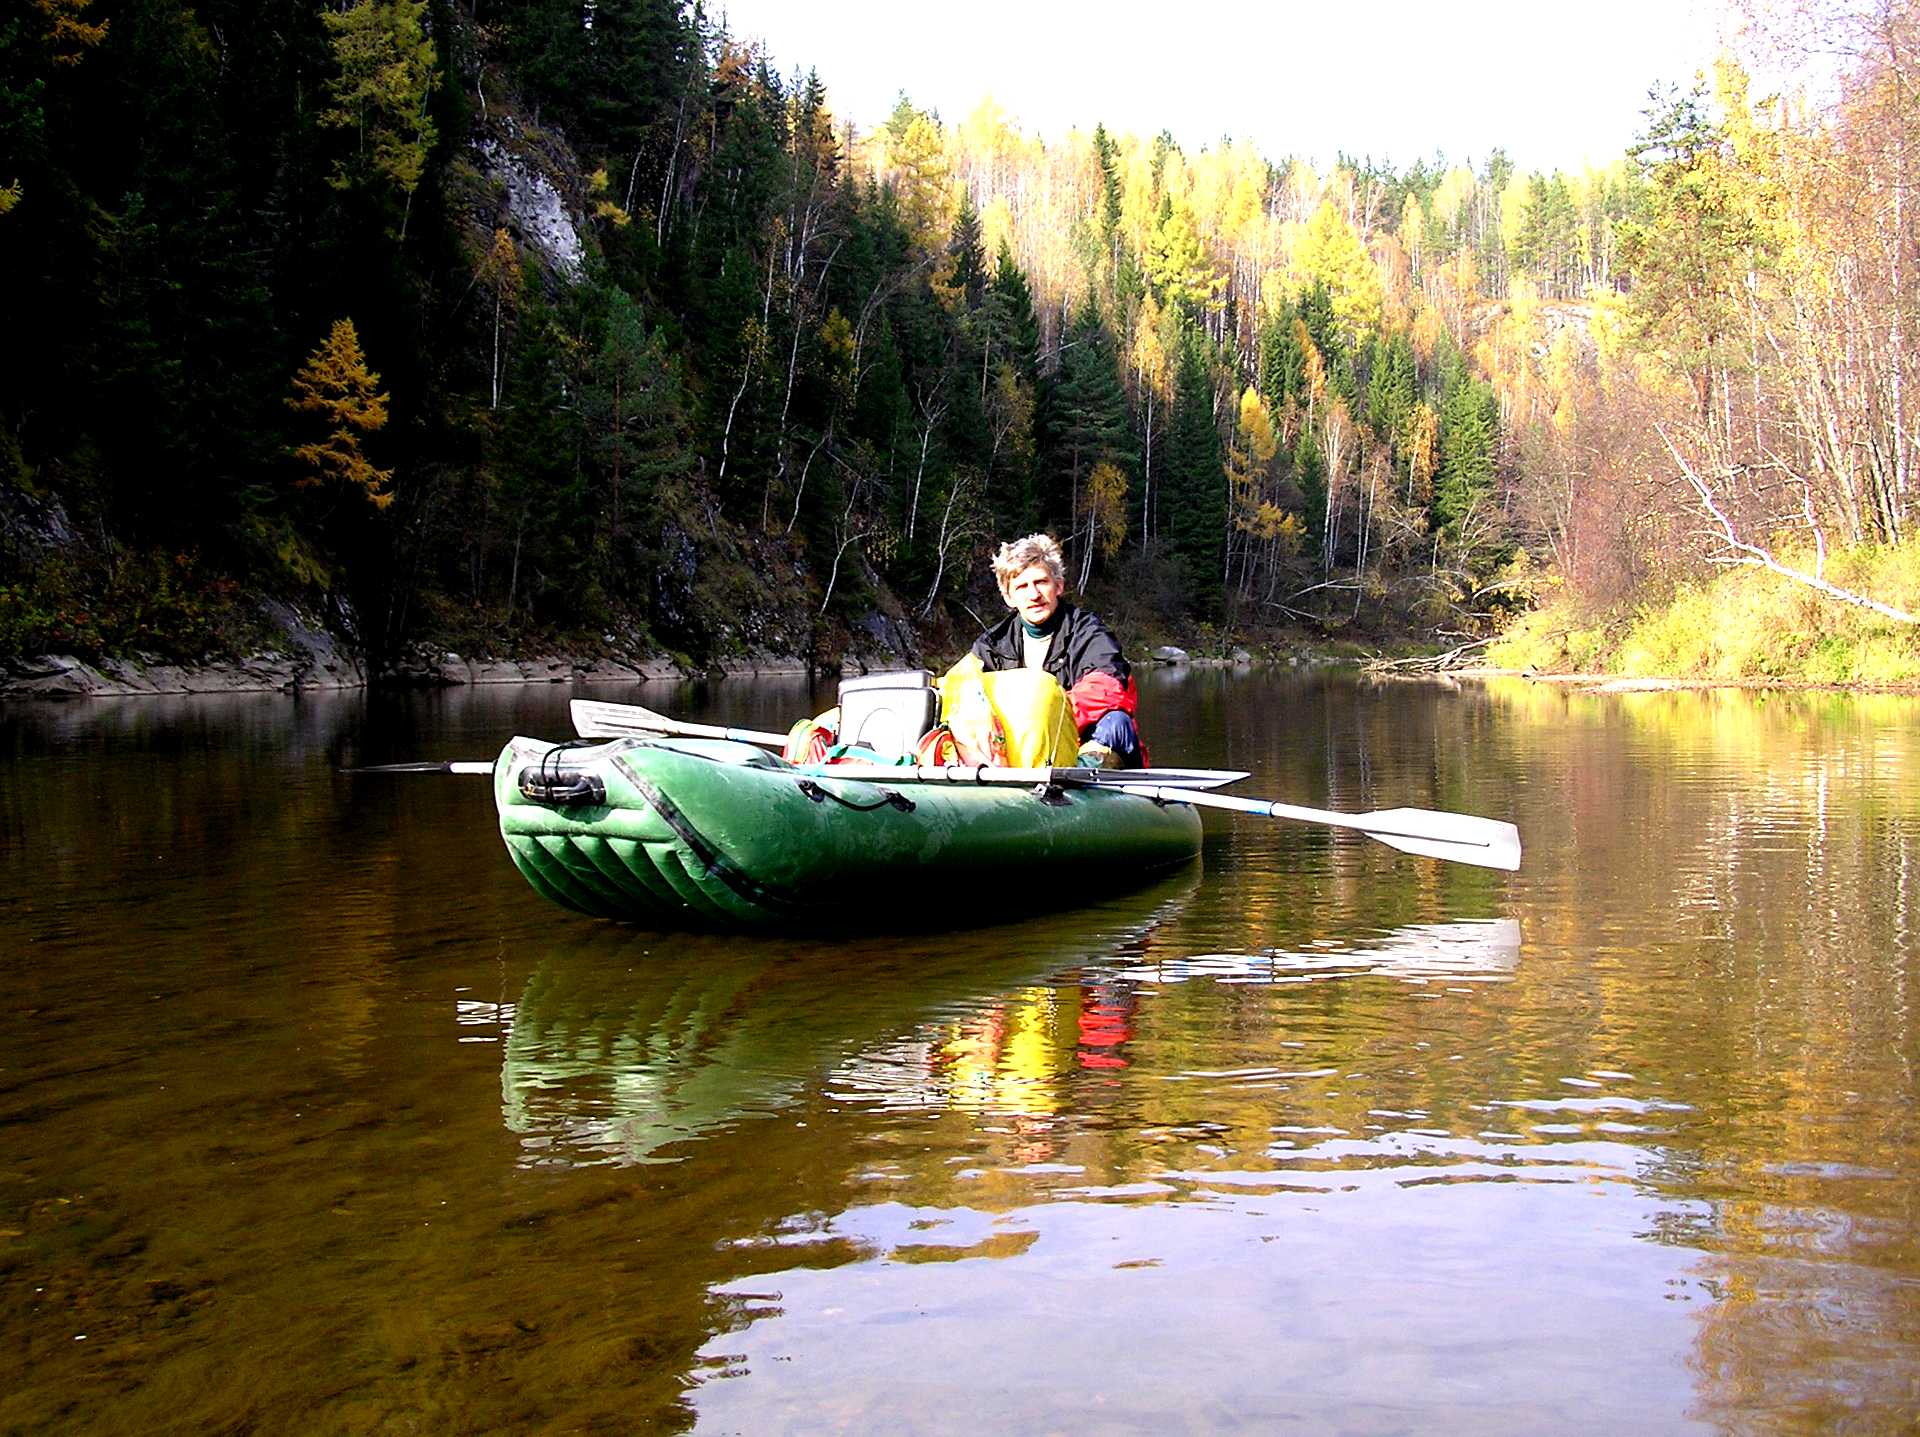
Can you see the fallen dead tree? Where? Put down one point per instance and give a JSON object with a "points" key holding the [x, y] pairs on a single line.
{"points": [[1459, 657]]}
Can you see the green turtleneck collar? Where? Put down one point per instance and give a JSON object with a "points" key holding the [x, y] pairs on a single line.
{"points": [[1041, 631]]}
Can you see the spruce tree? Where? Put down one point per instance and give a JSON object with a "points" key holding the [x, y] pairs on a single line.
{"points": [[1469, 431], [1195, 487], [1283, 365], [1087, 419], [967, 257], [1391, 386], [1310, 474], [1021, 333]]}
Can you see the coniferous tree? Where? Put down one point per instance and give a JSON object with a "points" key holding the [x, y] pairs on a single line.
{"points": [[967, 260], [1392, 386], [1310, 475], [1283, 366], [1195, 486], [1469, 431], [1087, 419], [1009, 338], [1014, 325], [336, 384], [386, 68]]}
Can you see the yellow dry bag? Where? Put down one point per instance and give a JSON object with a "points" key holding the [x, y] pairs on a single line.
{"points": [[1017, 717]]}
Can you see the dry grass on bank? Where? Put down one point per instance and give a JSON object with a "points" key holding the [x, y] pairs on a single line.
{"points": [[1741, 624]]}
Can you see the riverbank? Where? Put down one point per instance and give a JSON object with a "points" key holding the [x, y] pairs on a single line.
{"points": [[321, 665], [1743, 626], [1600, 683]]}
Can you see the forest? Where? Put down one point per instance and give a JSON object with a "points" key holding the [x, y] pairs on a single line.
{"points": [[518, 323]]}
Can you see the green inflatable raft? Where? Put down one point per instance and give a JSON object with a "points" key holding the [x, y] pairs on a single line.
{"points": [[711, 833]]}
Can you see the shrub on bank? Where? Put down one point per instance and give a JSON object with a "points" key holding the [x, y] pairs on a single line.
{"points": [[1743, 623], [139, 601]]}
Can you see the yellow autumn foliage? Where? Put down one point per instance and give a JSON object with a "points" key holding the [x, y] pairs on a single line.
{"points": [[336, 384]]}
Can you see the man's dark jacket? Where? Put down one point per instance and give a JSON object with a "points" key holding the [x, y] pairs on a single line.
{"points": [[1080, 645]]}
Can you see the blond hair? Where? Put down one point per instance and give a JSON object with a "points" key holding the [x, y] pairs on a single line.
{"points": [[1016, 556]]}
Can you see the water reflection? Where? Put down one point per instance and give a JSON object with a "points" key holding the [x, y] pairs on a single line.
{"points": [[317, 1119], [1472, 951], [619, 1052]]}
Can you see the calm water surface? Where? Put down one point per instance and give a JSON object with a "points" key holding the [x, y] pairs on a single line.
{"points": [[314, 1118]]}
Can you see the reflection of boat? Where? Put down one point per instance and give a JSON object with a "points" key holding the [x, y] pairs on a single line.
{"points": [[612, 1059], [1483, 950], [710, 832]]}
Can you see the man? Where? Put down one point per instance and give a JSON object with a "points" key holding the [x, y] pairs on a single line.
{"points": [[1045, 632]]}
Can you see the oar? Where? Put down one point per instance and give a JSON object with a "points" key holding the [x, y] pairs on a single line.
{"points": [[1182, 778], [1457, 837], [593, 719], [477, 765]]}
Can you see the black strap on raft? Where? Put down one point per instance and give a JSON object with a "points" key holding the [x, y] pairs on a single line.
{"points": [[887, 798], [550, 782]]}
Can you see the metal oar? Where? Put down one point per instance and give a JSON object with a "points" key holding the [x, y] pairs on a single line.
{"points": [[458, 765], [594, 719], [967, 774], [1457, 837]]}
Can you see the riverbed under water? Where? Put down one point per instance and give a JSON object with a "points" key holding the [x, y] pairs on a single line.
{"points": [[314, 1118]]}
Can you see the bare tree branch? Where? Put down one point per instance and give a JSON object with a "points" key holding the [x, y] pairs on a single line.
{"points": [[1742, 552]]}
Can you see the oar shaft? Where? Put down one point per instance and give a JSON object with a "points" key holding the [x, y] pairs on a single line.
{"points": [[965, 774], [475, 765], [949, 773], [738, 735]]}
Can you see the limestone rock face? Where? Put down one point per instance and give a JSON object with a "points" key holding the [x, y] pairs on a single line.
{"points": [[64, 676], [535, 211]]}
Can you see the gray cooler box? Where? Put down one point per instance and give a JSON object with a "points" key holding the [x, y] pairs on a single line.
{"points": [[888, 713]]}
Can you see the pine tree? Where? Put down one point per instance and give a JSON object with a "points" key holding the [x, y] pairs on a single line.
{"points": [[1689, 254]]}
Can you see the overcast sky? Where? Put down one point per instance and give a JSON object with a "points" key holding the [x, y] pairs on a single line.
{"points": [[1554, 84]]}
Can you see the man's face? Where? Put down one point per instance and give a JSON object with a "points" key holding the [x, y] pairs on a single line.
{"points": [[1034, 593]]}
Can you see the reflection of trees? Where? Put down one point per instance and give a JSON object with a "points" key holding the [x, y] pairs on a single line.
{"points": [[1747, 932], [1713, 1003], [1719, 905], [209, 822]]}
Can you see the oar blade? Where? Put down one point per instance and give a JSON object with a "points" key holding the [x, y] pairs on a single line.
{"points": [[1456, 837], [595, 719]]}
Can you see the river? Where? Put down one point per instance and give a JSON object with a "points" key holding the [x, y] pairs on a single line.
{"points": [[314, 1118]]}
